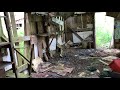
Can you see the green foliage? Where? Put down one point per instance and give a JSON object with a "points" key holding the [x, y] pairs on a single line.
{"points": [[103, 37], [21, 44]]}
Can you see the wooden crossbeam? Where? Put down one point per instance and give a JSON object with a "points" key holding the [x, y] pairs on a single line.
{"points": [[22, 68], [20, 39], [75, 33]]}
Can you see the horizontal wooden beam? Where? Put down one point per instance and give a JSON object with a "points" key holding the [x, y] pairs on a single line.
{"points": [[20, 39], [74, 32], [19, 47], [43, 34]]}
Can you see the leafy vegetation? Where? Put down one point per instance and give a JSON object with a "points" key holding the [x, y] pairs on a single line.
{"points": [[21, 44]]}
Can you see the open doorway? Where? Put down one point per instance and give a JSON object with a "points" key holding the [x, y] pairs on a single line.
{"points": [[104, 30]]}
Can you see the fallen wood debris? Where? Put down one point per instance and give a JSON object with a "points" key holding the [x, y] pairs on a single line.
{"points": [[104, 62], [36, 63], [45, 75], [109, 58]]}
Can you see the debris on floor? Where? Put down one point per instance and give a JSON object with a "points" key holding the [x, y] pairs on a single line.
{"points": [[45, 75], [91, 69], [36, 63], [61, 70], [44, 70], [78, 63], [109, 58], [69, 44]]}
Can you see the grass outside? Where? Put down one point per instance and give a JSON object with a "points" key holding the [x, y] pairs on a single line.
{"points": [[103, 37], [21, 44]]}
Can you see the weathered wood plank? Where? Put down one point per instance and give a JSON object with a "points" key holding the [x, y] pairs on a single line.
{"points": [[4, 38], [20, 39], [19, 47], [19, 59], [1, 30], [7, 23], [22, 68], [27, 32], [76, 34]]}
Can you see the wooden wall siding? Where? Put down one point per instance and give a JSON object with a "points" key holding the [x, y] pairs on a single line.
{"points": [[12, 17], [112, 14], [117, 34], [40, 28], [75, 23], [27, 29]]}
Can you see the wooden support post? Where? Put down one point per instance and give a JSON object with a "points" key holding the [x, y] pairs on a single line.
{"points": [[15, 35], [31, 57], [7, 23], [26, 32], [94, 36], [75, 33], [47, 54], [65, 30], [1, 30]]}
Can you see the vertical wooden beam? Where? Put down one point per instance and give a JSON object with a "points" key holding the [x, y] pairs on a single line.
{"points": [[65, 30], [26, 32], [31, 57], [94, 34], [7, 23], [15, 35], [46, 38], [1, 30]]}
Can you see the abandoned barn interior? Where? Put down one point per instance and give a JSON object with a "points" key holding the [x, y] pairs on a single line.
{"points": [[60, 45]]}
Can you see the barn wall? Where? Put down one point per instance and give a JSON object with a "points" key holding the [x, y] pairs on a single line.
{"points": [[75, 23]]}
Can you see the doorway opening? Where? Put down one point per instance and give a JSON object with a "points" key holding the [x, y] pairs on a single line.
{"points": [[104, 30]]}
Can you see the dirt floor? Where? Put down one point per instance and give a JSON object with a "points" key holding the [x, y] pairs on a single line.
{"points": [[80, 63]]}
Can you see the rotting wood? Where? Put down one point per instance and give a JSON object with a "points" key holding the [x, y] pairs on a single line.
{"points": [[22, 68], [4, 38], [31, 57], [7, 23], [1, 30], [27, 31], [22, 55], [75, 33], [19, 47], [15, 35], [43, 34], [46, 54], [104, 62], [20, 39], [94, 36]]}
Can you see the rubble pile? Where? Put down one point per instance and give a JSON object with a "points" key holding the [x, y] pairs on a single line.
{"points": [[77, 63]]}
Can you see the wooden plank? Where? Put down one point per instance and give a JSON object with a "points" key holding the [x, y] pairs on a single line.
{"points": [[31, 58], [104, 62], [74, 32], [13, 24], [83, 30], [22, 55], [27, 31], [22, 68], [1, 30], [94, 36], [4, 38], [20, 39], [19, 47], [43, 34], [15, 35], [7, 23]]}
